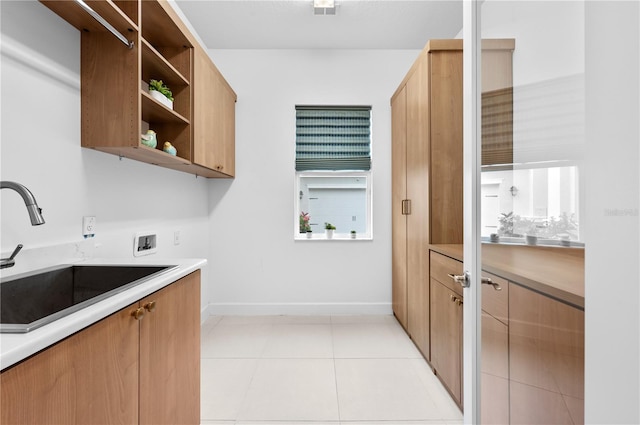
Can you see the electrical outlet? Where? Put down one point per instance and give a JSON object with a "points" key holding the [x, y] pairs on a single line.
{"points": [[88, 226], [145, 243], [176, 237]]}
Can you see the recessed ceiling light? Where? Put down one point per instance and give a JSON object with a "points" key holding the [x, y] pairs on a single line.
{"points": [[324, 7], [324, 3]]}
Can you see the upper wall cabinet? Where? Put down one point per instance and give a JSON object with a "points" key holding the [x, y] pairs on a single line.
{"points": [[117, 106]]}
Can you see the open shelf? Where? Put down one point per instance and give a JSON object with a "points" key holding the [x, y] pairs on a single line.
{"points": [[153, 111], [154, 65], [163, 49]]}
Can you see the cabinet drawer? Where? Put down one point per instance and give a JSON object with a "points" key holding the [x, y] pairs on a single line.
{"points": [[441, 266], [496, 303]]}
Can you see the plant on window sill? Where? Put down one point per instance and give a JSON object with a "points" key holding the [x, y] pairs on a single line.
{"points": [[329, 229]]}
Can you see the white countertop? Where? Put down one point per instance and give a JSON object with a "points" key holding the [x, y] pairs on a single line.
{"points": [[16, 347]]}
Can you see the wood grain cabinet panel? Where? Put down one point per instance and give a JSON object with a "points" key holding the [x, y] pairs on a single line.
{"points": [[446, 337], [169, 358], [89, 378], [546, 347], [494, 396], [117, 371], [214, 117], [418, 206], [399, 195]]}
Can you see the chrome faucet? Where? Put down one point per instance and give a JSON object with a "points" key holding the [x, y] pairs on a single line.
{"points": [[35, 215]]}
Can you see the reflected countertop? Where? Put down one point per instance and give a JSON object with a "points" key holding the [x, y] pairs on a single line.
{"points": [[554, 271]]}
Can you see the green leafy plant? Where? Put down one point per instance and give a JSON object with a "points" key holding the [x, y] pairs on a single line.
{"points": [[158, 85], [329, 226], [353, 232]]}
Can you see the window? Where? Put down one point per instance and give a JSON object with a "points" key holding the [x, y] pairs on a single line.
{"points": [[333, 172]]}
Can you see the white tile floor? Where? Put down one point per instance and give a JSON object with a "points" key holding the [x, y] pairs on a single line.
{"points": [[305, 370]]}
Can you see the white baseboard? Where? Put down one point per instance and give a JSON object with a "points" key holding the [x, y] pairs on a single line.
{"points": [[295, 309]]}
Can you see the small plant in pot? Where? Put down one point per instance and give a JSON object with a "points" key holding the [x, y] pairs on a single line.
{"points": [[532, 235], [305, 226], [353, 234], [160, 92], [329, 229]]}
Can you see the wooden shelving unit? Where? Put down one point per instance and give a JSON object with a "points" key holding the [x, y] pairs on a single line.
{"points": [[163, 49]]}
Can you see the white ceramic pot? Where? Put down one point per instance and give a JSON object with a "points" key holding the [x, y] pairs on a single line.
{"points": [[309, 235], [329, 233], [161, 98], [353, 236]]}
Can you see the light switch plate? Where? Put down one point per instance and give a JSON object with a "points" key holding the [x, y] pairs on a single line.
{"points": [[145, 243]]}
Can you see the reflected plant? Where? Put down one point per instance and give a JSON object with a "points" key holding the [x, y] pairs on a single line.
{"points": [[506, 224], [564, 227]]}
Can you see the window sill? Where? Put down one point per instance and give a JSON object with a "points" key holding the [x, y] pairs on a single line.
{"points": [[323, 237]]}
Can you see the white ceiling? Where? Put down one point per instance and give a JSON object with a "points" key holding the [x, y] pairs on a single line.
{"points": [[291, 24]]}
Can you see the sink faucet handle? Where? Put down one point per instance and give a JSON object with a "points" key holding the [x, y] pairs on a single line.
{"points": [[10, 262], [15, 252]]}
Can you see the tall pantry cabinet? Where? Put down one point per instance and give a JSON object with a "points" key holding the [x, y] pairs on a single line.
{"points": [[426, 118]]}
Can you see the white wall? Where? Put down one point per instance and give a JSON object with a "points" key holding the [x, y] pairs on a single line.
{"points": [[612, 391], [40, 148], [267, 271]]}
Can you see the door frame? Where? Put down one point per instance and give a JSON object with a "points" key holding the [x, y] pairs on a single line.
{"points": [[472, 133]]}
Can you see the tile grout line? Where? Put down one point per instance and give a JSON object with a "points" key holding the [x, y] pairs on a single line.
{"points": [[335, 370]]}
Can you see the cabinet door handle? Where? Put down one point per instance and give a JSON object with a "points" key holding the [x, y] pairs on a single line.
{"points": [[488, 281], [455, 299], [462, 279], [138, 313], [406, 206], [150, 306]]}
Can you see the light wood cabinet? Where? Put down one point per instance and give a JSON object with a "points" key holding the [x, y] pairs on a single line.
{"points": [[398, 205], [446, 337], [68, 383], [546, 348], [494, 380], [425, 107], [116, 105], [214, 120], [446, 323], [119, 370], [170, 354], [416, 207]]}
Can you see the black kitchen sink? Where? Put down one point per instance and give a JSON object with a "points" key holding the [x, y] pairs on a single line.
{"points": [[32, 300]]}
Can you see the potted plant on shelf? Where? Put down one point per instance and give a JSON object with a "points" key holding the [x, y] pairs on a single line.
{"points": [[353, 234], [329, 229], [160, 92]]}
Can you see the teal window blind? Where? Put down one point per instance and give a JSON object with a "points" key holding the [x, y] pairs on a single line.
{"points": [[333, 138]]}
